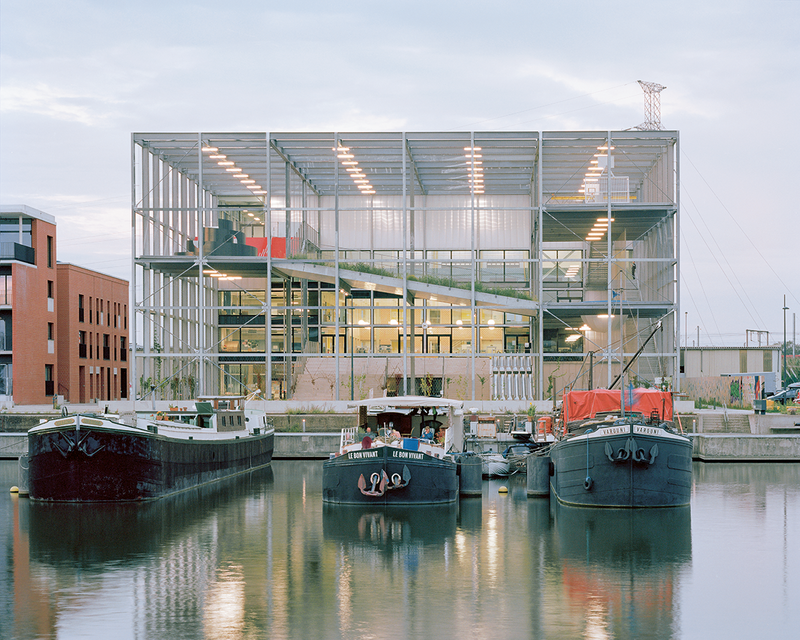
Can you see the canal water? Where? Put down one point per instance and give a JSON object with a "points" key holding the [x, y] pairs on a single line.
{"points": [[262, 557]]}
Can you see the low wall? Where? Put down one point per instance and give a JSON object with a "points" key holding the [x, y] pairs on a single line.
{"points": [[745, 448], [13, 445], [305, 445]]}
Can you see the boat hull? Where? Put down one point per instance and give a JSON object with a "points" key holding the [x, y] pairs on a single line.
{"points": [[109, 462], [623, 466], [389, 476]]}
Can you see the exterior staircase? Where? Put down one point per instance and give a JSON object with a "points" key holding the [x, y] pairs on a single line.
{"points": [[723, 422]]}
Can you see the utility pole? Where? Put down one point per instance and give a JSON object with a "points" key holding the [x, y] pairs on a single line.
{"points": [[785, 309], [652, 106]]}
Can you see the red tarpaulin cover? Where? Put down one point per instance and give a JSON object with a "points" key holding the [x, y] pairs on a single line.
{"points": [[578, 405]]}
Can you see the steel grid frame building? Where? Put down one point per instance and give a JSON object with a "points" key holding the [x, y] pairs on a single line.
{"points": [[327, 266]]}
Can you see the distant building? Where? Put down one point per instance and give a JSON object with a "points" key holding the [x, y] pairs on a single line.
{"points": [[42, 329], [93, 307]]}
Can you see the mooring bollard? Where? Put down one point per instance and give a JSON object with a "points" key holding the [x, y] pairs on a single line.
{"points": [[470, 476], [538, 476]]}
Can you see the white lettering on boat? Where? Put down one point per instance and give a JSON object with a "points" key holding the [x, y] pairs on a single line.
{"points": [[408, 454], [610, 431], [363, 454], [647, 431]]}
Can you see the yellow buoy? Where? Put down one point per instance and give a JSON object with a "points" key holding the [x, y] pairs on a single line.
{"points": [[502, 490], [15, 489]]}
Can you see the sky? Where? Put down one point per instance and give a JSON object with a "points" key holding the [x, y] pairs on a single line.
{"points": [[77, 78]]}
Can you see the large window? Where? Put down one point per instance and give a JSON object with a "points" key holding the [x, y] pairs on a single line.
{"points": [[16, 230], [562, 271]]}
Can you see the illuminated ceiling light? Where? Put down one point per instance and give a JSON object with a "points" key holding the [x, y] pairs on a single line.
{"points": [[345, 155], [249, 181], [257, 219], [209, 271], [585, 327], [392, 321], [472, 149], [233, 169], [259, 193], [218, 156], [604, 148], [226, 163], [459, 322], [491, 321], [605, 219], [341, 149], [208, 149], [573, 337], [254, 186], [252, 215], [350, 162], [369, 193], [365, 186], [240, 175], [361, 181], [590, 180], [605, 316]]}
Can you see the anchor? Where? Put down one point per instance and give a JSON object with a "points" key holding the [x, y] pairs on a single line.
{"points": [[374, 478], [380, 482], [631, 449]]}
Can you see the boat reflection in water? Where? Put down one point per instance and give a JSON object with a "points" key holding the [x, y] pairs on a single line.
{"points": [[152, 562], [389, 530], [623, 566], [122, 533]]}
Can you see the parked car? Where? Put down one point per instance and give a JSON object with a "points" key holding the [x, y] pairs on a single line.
{"points": [[785, 395]]}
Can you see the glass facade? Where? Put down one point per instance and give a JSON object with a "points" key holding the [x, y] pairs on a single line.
{"points": [[360, 263]]}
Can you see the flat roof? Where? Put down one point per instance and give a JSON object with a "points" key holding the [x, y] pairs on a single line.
{"points": [[24, 211], [441, 163]]}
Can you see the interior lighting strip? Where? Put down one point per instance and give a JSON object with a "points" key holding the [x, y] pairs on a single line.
{"points": [[230, 167], [474, 169], [356, 173]]}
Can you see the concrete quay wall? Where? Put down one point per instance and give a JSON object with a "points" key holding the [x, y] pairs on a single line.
{"points": [[745, 448]]}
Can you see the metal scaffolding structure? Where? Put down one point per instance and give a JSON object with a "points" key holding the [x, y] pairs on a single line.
{"points": [[330, 265]]}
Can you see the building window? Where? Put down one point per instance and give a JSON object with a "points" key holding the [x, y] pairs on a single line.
{"points": [[81, 344], [80, 308], [106, 346], [51, 289], [5, 289], [6, 379], [50, 251], [51, 331], [123, 349], [49, 382]]}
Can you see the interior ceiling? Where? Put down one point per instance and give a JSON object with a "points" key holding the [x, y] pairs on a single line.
{"points": [[433, 164]]}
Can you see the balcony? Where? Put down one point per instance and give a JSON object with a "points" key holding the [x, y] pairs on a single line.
{"points": [[16, 251]]}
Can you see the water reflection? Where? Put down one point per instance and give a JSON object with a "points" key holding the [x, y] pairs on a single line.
{"points": [[262, 556], [154, 567], [622, 567]]}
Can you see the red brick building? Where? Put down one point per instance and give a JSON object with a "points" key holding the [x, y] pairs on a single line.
{"points": [[40, 326], [92, 335]]}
